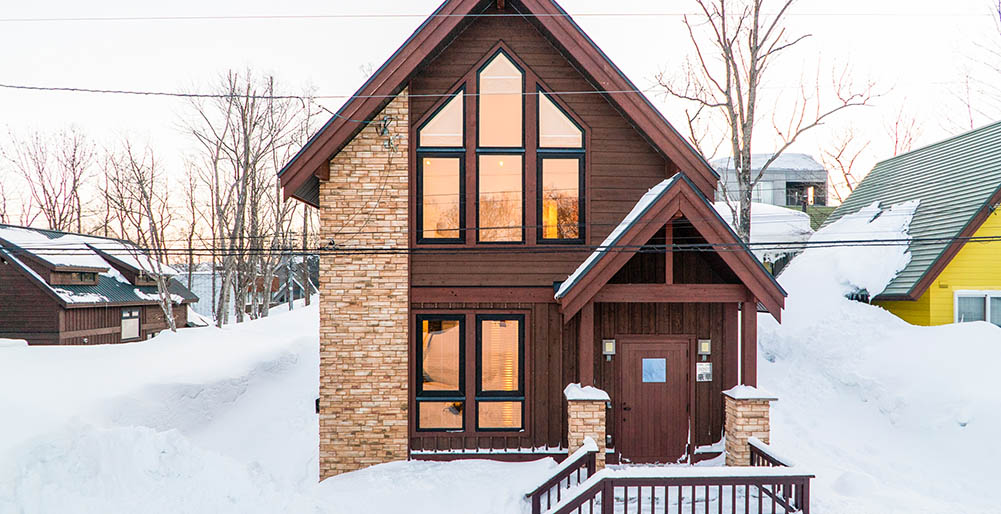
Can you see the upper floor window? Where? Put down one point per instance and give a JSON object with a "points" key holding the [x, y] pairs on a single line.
{"points": [[445, 128], [440, 177], [501, 88], [561, 174], [500, 166]]}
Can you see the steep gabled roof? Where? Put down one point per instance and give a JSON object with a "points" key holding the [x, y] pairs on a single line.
{"points": [[958, 184], [300, 177], [674, 197], [66, 252]]}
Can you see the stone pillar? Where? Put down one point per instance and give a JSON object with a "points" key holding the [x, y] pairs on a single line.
{"points": [[586, 418], [364, 300], [746, 416]]}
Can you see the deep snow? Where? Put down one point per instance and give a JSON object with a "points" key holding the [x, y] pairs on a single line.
{"points": [[890, 417]]}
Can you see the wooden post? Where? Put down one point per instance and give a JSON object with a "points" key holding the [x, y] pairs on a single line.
{"points": [[749, 343], [669, 253], [585, 345]]}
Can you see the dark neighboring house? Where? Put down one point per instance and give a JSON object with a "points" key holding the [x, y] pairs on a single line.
{"points": [[64, 288]]}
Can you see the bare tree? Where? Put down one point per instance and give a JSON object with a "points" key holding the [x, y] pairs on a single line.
{"points": [[841, 158], [55, 169], [739, 35], [139, 196], [246, 133], [903, 131]]}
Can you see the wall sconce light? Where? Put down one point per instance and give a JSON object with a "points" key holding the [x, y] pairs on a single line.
{"points": [[705, 347], [608, 348]]}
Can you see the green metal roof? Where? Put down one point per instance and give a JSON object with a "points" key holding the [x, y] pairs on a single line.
{"points": [[953, 180]]}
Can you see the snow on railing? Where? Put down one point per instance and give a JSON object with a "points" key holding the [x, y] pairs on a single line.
{"points": [[569, 473], [762, 454], [725, 490]]}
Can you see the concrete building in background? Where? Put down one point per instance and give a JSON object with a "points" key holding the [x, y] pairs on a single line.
{"points": [[789, 181]]}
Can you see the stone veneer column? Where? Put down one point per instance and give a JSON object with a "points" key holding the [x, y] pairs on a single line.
{"points": [[747, 415], [586, 418], [364, 299]]}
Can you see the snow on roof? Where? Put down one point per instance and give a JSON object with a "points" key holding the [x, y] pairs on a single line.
{"points": [[62, 250], [636, 213], [843, 268], [771, 224], [786, 161], [576, 392], [78, 250]]}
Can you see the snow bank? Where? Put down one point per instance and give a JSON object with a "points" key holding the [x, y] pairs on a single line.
{"points": [[576, 392], [891, 417], [13, 343]]}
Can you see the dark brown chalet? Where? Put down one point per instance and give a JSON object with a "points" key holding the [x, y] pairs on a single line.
{"points": [[508, 216], [62, 288]]}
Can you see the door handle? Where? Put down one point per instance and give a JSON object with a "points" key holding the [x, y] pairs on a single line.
{"points": [[626, 408]]}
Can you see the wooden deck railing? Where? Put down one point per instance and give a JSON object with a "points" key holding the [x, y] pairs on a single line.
{"points": [[573, 471], [770, 485]]}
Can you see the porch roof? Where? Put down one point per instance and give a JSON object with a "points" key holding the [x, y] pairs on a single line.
{"points": [[674, 197]]}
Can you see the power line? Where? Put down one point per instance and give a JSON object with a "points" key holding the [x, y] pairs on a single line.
{"points": [[525, 249], [355, 16]]}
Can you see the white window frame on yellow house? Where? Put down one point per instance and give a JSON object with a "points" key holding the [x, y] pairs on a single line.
{"points": [[986, 294]]}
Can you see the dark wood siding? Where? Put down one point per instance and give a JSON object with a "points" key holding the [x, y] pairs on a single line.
{"points": [[103, 325], [620, 164], [26, 311], [552, 364], [698, 320]]}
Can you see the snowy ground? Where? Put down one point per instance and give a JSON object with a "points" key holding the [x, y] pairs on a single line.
{"points": [[890, 417]]}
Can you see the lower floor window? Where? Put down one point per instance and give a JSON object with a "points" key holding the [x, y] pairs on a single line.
{"points": [[978, 306], [443, 402]]}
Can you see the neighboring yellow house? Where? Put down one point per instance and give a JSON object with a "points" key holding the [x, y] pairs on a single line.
{"points": [[955, 269]]}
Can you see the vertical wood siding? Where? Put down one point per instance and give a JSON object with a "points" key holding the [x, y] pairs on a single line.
{"points": [[621, 165]]}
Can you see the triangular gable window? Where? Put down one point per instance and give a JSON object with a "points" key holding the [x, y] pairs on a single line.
{"points": [[556, 129], [444, 129]]}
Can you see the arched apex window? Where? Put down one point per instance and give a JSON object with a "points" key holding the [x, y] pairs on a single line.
{"points": [[445, 128], [556, 129], [501, 88]]}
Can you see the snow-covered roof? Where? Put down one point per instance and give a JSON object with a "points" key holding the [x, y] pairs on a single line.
{"points": [[786, 161], [61, 250], [772, 224], [67, 250], [641, 207]]}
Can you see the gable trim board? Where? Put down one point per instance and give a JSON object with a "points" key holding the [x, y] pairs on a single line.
{"points": [[299, 178], [672, 198], [958, 183]]}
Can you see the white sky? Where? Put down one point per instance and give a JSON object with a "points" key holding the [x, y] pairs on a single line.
{"points": [[916, 50]]}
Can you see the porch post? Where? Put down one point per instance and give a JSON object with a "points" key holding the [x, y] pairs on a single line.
{"points": [[669, 253], [749, 343], [585, 345]]}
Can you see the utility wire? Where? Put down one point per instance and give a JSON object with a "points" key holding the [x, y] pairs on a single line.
{"points": [[350, 16]]}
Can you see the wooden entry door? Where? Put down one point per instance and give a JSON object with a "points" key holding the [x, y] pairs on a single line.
{"points": [[655, 397]]}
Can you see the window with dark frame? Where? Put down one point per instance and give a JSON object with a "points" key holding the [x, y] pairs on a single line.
{"points": [[441, 173], [500, 167], [560, 201], [130, 323], [500, 146], [441, 372], [500, 375], [497, 398]]}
